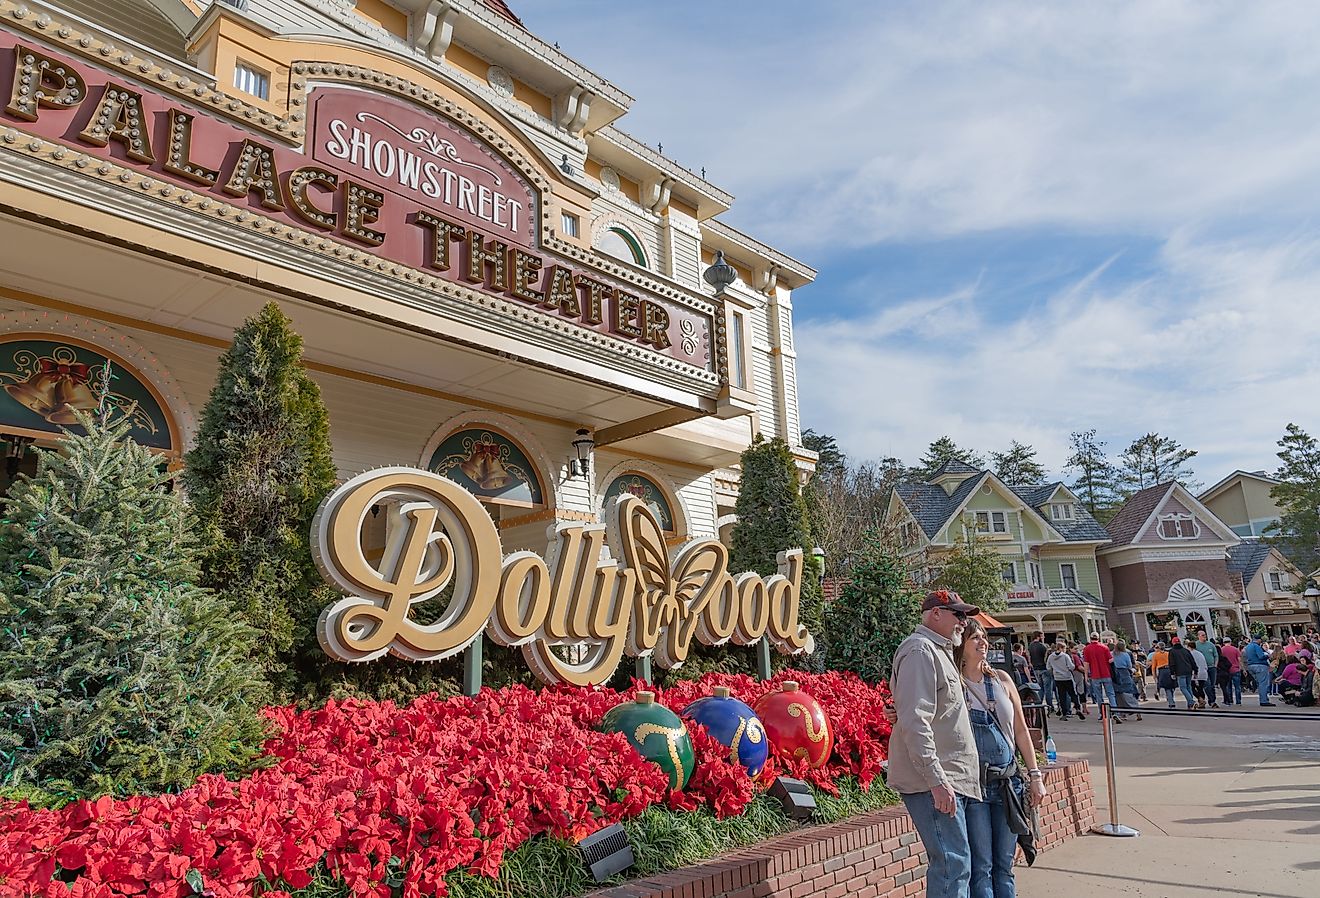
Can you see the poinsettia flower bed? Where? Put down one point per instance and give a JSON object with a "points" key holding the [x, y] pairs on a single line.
{"points": [[381, 796]]}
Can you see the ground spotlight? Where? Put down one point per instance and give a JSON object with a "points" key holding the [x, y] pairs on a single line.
{"points": [[606, 852]]}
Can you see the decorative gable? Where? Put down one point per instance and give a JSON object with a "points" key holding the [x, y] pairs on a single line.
{"points": [[1179, 519]]}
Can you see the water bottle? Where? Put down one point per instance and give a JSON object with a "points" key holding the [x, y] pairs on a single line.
{"points": [[1051, 753]]}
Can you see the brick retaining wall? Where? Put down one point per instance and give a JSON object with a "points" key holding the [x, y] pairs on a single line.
{"points": [[871, 856]]}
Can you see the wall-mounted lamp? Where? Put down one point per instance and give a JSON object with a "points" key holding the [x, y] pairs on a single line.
{"points": [[580, 466], [565, 166], [16, 447]]}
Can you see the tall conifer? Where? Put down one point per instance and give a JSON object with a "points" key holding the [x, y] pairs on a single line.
{"points": [[261, 466], [118, 673]]}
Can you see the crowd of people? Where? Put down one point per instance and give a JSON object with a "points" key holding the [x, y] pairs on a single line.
{"points": [[961, 754], [1070, 676]]}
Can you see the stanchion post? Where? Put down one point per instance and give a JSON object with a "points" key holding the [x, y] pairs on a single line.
{"points": [[1113, 827], [472, 667]]}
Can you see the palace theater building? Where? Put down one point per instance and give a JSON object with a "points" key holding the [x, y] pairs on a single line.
{"points": [[492, 279]]}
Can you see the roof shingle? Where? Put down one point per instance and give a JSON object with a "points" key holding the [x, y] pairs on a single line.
{"points": [[1247, 556], [1124, 526]]}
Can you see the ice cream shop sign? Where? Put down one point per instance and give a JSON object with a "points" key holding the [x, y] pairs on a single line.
{"points": [[573, 614], [385, 176]]}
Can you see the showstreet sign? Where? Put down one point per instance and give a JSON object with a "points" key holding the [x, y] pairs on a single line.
{"points": [[440, 538]]}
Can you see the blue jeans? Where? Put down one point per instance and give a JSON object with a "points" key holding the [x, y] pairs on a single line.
{"points": [[1185, 685], [1100, 686], [944, 836], [1262, 674], [1046, 680], [1212, 677], [996, 845], [1231, 686]]}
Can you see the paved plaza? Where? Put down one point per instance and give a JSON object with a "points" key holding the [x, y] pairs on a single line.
{"points": [[1230, 804]]}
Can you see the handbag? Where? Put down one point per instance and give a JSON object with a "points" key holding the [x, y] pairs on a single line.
{"points": [[1019, 812]]}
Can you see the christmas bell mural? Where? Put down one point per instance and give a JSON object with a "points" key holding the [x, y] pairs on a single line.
{"points": [[796, 724], [56, 387]]}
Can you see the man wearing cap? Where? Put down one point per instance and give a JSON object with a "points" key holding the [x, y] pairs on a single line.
{"points": [[933, 761], [1258, 664]]}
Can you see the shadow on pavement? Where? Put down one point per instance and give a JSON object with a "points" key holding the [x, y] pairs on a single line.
{"points": [[1147, 881]]}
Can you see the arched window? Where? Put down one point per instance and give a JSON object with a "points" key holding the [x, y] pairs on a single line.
{"points": [[617, 242], [646, 489], [490, 465]]}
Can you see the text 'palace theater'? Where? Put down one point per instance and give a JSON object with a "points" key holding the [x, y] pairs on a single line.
{"points": [[492, 280]]}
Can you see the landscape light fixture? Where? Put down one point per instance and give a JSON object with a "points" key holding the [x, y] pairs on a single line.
{"points": [[794, 796], [606, 852], [580, 466]]}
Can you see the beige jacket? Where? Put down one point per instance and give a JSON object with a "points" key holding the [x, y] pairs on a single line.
{"points": [[932, 741]]}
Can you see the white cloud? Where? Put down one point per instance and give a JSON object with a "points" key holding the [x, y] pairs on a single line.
{"points": [[1216, 351], [841, 126], [840, 122]]}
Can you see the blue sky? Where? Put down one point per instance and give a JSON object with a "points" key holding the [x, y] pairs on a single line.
{"points": [[1028, 218]]}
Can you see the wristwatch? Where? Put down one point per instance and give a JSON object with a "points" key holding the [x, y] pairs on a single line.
{"points": [[1036, 773]]}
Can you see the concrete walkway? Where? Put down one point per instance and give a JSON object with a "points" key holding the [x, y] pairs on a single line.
{"points": [[1224, 806]]}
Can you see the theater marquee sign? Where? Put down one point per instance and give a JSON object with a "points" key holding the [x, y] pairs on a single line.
{"points": [[378, 174], [573, 614]]}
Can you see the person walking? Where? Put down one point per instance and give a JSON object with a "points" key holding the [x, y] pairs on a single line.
{"points": [[1098, 658], [933, 762], [1079, 678], [1182, 667], [1230, 657], [1125, 684], [998, 726], [1036, 653], [1210, 652], [1060, 665], [1199, 678], [1258, 665]]}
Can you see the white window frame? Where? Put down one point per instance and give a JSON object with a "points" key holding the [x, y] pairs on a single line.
{"points": [[1008, 568], [1033, 570], [738, 348], [992, 522], [251, 80], [1063, 580], [1279, 581], [570, 225], [1061, 511], [1182, 523]]}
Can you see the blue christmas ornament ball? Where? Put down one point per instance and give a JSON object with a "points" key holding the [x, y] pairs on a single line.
{"points": [[735, 725]]}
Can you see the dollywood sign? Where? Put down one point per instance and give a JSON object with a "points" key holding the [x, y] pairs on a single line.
{"points": [[574, 613]]}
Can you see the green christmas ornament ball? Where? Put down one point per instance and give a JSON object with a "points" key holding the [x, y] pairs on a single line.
{"points": [[658, 734]]}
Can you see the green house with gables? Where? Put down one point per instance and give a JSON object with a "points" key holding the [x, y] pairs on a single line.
{"points": [[1045, 539]]}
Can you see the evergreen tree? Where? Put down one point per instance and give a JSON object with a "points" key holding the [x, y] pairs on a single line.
{"points": [[831, 461], [1153, 459], [943, 450], [118, 673], [974, 571], [876, 610], [261, 466], [1094, 481], [772, 517], [1017, 465], [1298, 496]]}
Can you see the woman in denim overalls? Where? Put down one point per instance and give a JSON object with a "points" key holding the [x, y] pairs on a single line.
{"points": [[995, 711]]}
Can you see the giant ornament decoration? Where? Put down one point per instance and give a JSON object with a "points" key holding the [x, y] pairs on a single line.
{"points": [[735, 725], [658, 734], [796, 724]]}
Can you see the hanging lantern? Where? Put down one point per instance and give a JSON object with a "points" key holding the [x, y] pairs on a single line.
{"points": [[796, 724], [657, 733], [735, 725]]}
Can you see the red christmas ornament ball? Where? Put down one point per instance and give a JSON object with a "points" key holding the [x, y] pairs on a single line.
{"points": [[796, 724]]}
